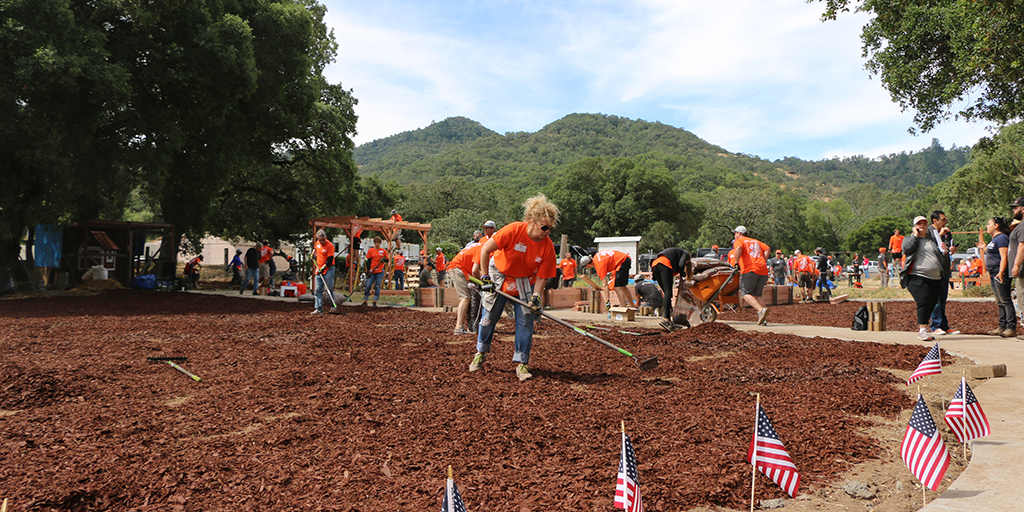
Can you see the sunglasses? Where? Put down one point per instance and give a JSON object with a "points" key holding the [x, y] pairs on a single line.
{"points": [[545, 228]]}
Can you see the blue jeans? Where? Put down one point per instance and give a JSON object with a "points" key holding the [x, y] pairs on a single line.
{"points": [[399, 280], [373, 281], [524, 329], [254, 274], [320, 282], [938, 319]]}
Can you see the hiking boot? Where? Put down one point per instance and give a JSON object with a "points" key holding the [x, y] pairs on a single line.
{"points": [[762, 316], [996, 332], [255, 293], [364, 303], [924, 335], [1009, 333], [374, 303], [478, 362], [523, 372]]}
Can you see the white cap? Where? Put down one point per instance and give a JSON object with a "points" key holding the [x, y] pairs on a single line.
{"points": [[740, 229], [796, 252], [638, 277], [584, 261], [919, 218], [490, 224]]}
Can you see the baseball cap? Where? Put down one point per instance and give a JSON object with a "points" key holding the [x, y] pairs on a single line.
{"points": [[1017, 202], [919, 218], [437, 249], [638, 277], [740, 229], [491, 224], [584, 261], [797, 252]]}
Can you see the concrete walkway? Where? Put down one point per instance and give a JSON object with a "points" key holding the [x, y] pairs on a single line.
{"points": [[994, 479]]}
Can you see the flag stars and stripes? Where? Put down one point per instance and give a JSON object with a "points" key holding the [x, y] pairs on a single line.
{"points": [[931, 365]]}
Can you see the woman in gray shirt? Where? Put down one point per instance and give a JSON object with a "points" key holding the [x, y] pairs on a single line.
{"points": [[922, 275]]}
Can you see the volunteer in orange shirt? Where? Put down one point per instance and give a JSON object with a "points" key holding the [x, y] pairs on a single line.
{"points": [[323, 275], [896, 249], [803, 266], [441, 263], [396, 217], [375, 260], [670, 263], [612, 268], [460, 268], [568, 266], [400, 271], [523, 260], [750, 254]]}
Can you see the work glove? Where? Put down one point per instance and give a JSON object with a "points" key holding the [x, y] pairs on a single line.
{"points": [[607, 305], [486, 284], [535, 304]]}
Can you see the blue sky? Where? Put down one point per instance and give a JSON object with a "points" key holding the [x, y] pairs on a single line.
{"points": [[761, 77]]}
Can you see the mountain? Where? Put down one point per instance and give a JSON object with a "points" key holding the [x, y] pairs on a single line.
{"points": [[461, 147]]}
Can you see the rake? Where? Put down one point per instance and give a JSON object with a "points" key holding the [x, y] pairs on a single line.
{"points": [[644, 363]]}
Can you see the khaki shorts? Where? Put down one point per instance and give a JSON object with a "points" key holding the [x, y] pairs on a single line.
{"points": [[265, 270], [805, 280], [461, 283]]}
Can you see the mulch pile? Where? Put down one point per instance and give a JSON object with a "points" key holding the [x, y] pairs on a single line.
{"points": [[364, 411]]}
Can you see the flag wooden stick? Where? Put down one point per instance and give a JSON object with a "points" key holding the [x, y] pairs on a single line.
{"points": [[623, 426], [963, 396], [449, 472], [753, 461], [924, 488], [4, 507]]}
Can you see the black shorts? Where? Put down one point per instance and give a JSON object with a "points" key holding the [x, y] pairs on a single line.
{"points": [[622, 275], [551, 284]]}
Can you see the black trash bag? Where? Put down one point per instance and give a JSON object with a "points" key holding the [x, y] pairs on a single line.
{"points": [[860, 319], [6, 281]]}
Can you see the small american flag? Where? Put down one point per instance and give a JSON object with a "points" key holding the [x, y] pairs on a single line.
{"points": [[627, 488], [964, 416], [769, 455], [923, 449], [931, 365], [452, 499]]}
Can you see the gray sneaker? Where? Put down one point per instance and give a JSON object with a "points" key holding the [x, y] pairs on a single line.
{"points": [[762, 316], [523, 372], [478, 362], [317, 312], [460, 330]]}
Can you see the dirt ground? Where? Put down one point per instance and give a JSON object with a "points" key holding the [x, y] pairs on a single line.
{"points": [[365, 411]]}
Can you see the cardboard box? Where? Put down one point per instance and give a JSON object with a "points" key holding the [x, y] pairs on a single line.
{"points": [[623, 314]]}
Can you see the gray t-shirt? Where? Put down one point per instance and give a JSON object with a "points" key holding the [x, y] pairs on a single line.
{"points": [[926, 259], [1016, 237]]}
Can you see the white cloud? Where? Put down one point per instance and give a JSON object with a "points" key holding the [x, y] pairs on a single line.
{"points": [[759, 77]]}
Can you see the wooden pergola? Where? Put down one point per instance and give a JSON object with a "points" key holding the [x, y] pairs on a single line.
{"points": [[388, 229]]}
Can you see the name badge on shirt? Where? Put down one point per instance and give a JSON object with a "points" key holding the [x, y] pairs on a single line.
{"points": [[521, 247]]}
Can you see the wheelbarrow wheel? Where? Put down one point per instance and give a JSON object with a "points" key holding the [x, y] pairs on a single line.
{"points": [[709, 314]]}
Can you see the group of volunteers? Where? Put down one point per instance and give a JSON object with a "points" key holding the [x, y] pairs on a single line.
{"points": [[258, 266], [519, 260]]}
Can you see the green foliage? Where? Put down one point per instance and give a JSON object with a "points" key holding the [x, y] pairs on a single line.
{"points": [[932, 55], [217, 112], [993, 179], [766, 213], [620, 197], [875, 233]]}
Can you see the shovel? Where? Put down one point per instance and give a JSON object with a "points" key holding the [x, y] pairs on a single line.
{"points": [[644, 363]]}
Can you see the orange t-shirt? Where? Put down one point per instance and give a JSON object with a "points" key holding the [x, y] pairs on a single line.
{"points": [[519, 256], [568, 266], [608, 262], [751, 255], [465, 258], [265, 254], [803, 264], [324, 251], [440, 261], [400, 262], [375, 255], [662, 260], [896, 243], [396, 218]]}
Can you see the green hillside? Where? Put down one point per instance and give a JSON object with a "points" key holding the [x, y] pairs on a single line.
{"points": [[460, 147]]}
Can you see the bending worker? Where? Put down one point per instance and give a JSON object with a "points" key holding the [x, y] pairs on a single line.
{"points": [[670, 263], [615, 266]]}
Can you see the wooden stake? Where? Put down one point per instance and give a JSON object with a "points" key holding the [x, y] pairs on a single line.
{"points": [[753, 461]]}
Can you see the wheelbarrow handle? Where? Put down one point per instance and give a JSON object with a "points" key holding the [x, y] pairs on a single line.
{"points": [[557, 320]]}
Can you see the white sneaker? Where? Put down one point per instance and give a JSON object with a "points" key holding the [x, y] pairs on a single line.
{"points": [[939, 332], [924, 335]]}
